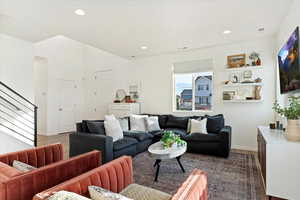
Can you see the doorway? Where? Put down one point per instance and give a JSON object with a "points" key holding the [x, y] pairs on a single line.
{"points": [[40, 69]]}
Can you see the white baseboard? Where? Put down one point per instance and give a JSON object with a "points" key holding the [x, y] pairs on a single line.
{"points": [[247, 148]]}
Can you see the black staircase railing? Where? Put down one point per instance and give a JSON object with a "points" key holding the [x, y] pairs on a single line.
{"points": [[18, 116]]}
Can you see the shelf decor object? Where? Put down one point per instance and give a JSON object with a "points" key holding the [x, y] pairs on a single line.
{"points": [[236, 61]]}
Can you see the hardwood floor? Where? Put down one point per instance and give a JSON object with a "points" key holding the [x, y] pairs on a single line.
{"points": [[61, 138]]}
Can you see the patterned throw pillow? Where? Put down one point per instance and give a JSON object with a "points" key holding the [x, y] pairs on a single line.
{"points": [[98, 193], [113, 128], [198, 126], [152, 123], [23, 167], [64, 195], [124, 123], [139, 192], [137, 123]]}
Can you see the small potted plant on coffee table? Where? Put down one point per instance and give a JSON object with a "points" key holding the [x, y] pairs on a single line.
{"points": [[170, 139]]}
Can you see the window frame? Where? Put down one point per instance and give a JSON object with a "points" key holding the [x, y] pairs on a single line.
{"points": [[194, 76]]}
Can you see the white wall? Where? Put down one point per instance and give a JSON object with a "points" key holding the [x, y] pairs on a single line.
{"points": [[155, 75], [117, 68], [289, 24], [16, 70], [11, 144], [16, 65], [69, 60]]}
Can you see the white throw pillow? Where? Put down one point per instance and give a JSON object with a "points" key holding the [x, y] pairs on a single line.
{"points": [[113, 129], [124, 123], [98, 193], [64, 195], [23, 167], [198, 126], [137, 123], [152, 123], [109, 117]]}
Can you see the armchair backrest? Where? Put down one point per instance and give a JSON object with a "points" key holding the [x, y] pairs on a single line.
{"points": [[114, 176], [37, 157], [194, 188], [25, 186]]}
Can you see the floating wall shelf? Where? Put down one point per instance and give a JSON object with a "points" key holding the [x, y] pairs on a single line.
{"points": [[243, 84], [243, 101], [245, 68]]}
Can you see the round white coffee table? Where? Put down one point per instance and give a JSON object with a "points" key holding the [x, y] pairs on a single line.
{"points": [[159, 153]]}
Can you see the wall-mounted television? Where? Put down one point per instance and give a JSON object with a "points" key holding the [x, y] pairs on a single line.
{"points": [[289, 64]]}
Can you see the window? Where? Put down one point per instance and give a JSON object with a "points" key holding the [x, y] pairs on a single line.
{"points": [[193, 91], [203, 87]]}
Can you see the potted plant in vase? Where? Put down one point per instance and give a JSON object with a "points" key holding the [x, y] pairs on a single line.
{"points": [[170, 139], [292, 113]]}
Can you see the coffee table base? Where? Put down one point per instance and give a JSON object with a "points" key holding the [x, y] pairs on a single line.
{"points": [[157, 165]]}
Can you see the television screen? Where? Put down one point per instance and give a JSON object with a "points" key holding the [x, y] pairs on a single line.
{"points": [[289, 68]]}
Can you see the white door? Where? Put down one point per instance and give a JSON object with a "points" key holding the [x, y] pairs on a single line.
{"points": [[67, 105], [103, 92], [41, 89]]}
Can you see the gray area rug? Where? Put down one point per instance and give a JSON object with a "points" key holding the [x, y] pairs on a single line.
{"points": [[235, 178]]}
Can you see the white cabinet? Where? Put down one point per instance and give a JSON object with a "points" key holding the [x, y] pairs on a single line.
{"points": [[124, 109], [281, 159]]}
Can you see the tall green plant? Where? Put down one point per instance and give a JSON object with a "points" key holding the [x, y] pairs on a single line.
{"points": [[292, 112]]}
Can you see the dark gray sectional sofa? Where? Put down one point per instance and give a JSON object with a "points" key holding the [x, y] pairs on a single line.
{"points": [[90, 136]]}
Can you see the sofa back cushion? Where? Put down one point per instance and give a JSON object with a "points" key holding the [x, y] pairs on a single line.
{"points": [[177, 122], [215, 123], [194, 188], [37, 157], [162, 120], [113, 176], [96, 127], [83, 127]]}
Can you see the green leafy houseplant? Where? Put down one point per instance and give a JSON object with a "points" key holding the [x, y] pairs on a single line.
{"points": [[169, 138], [292, 112]]}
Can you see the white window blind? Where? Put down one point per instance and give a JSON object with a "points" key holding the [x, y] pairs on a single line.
{"points": [[195, 66]]}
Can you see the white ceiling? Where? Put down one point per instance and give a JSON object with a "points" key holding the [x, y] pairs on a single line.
{"points": [[123, 26]]}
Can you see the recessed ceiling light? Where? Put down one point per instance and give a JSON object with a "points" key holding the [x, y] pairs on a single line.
{"points": [[79, 12], [227, 32], [144, 47]]}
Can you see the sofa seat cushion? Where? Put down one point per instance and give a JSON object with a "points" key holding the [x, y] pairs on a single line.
{"points": [[139, 192], [156, 133], [138, 135], [178, 131], [123, 143], [200, 137]]}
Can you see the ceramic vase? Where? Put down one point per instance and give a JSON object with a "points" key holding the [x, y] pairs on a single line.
{"points": [[293, 130]]}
